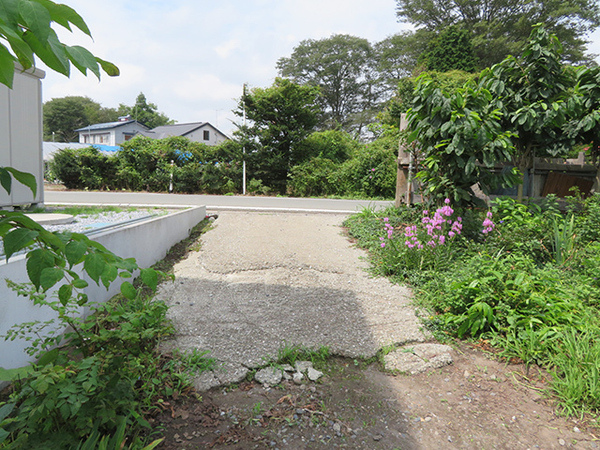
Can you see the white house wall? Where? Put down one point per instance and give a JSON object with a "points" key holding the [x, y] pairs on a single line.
{"points": [[215, 137], [21, 134]]}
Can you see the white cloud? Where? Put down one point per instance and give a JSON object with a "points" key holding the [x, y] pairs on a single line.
{"points": [[191, 58]]}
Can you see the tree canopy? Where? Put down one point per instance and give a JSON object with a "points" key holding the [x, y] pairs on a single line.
{"points": [[144, 112], [502, 27], [26, 31], [280, 117], [62, 116], [343, 67]]}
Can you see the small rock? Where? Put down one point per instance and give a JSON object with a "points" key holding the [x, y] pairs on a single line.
{"points": [[303, 366], [466, 374], [299, 411], [427, 419], [493, 377], [269, 376], [298, 377], [377, 437], [449, 438], [336, 427], [576, 430], [561, 442], [287, 368], [313, 374]]}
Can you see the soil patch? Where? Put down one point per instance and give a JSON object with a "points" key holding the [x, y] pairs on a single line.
{"points": [[476, 403]]}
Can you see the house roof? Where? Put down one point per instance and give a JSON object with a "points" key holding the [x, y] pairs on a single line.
{"points": [[110, 125], [178, 129]]}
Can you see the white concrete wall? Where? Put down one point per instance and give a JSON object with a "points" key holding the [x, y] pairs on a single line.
{"points": [[21, 134], [147, 242]]}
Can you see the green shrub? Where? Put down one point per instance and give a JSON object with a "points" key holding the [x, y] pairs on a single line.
{"points": [[86, 168], [316, 177]]}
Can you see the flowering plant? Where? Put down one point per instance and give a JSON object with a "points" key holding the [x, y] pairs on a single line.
{"points": [[427, 245]]}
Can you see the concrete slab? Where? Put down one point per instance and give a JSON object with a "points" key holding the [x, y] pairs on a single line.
{"points": [[263, 281], [51, 218]]}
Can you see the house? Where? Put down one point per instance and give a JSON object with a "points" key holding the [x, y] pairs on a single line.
{"points": [[202, 132], [111, 133]]}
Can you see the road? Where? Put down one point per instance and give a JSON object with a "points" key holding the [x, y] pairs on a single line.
{"points": [[213, 202]]}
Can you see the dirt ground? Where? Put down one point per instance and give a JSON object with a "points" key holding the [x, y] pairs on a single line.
{"points": [[476, 403]]}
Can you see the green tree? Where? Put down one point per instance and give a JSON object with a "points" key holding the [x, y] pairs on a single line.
{"points": [[452, 49], [502, 27], [398, 56], [281, 117], [535, 93], [343, 67], [62, 116], [144, 112]]}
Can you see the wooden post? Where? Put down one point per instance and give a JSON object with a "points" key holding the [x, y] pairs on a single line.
{"points": [[403, 188]]}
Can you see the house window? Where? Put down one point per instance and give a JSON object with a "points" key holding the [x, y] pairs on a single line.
{"points": [[206, 135], [128, 136]]}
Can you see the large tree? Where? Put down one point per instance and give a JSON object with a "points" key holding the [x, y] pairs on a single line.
{"points": [[451, 50], [144, 112], [502, 27], [280, 118], [343, 67], [62, 116]]}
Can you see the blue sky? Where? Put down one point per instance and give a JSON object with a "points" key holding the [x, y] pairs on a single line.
{"points": [[191, 57]]}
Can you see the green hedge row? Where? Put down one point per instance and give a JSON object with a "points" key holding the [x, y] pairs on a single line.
{"points": [[335, 165]]}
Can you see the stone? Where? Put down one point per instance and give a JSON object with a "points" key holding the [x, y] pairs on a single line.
{"points": [[418, 358], [269, 376], [298, 377], [313, 374], [287, 368], [303, 366]]}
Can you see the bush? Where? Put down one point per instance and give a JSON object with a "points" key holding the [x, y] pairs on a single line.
{"points": [[86, 168], [317, 177]]}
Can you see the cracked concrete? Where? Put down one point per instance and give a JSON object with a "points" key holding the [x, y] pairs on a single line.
{"points": [[265, 280]]}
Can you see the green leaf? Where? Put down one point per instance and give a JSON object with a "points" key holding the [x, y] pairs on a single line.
{"points": [[36, 18], [5, 178], [80, 283], [7, 68], [128, 290], [74, 251], [109, 275], [94, 266], [17, 240], [150, 278], [57, 62], [38, 260], [63, 15], [48, 357], [24, 178], [83, 60], [108, 67], [50, 276], [64, 294], [9, 12]]}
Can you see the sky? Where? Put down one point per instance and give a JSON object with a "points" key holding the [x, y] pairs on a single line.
{"points": [[192, 57]]}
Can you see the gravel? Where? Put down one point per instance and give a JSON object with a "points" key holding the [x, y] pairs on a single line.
{"points": [[93, 222]]}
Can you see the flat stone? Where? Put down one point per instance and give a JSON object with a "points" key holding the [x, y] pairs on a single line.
{"points": [[223, 373], [269, 376], [418, 358], [287, 368], [313, 374]]}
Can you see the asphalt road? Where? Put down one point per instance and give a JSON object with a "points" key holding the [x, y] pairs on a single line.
{"points": [[213, 202]]}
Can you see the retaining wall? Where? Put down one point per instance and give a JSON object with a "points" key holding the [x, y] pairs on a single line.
{"points": [[147, 242]]}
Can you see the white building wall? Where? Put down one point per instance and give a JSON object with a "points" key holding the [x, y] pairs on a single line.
{"points": [[21, 135]]}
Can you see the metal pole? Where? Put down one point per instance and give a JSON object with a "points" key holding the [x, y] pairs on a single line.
{"points": [[244, 147]]}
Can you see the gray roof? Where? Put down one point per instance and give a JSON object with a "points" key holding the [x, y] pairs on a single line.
{"points": [[178, 129], [109, 125]]}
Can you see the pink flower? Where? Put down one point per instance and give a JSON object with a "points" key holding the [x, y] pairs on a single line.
{"points": [[372, 170], [447, 201]]}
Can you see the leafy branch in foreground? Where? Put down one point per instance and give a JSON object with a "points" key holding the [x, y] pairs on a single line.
{"points": [[26, 32]]}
